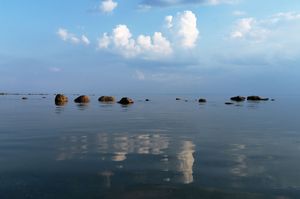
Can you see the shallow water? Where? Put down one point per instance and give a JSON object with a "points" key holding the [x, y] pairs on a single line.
{"points": [[158, 149]]}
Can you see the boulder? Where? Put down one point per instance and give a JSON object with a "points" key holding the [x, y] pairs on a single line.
{"points": [[82, 99], [257, 98], [107, 99], [126, 101], [228, 103], [24, 98], [147, 100], [238, 98], [60, 98], [202, 100], [177, 98]]}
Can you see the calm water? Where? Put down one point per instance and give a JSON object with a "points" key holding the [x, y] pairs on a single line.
{"points": [[158, 149]]}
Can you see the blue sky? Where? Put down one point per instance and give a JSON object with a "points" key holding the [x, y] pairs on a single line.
{"points": [[157, 46]]}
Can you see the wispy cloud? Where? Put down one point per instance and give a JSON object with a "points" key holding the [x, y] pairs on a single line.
{"points": [[168, 3], [66, 36]]}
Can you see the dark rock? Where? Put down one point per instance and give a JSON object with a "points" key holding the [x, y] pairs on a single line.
{"points": [[126, 101], [24, 98], [177, 98], [43, 97], [202, 100], [109, 99], [186, 100], [228, 103], [272, 100], [238, 98], [60, 98], [147, 100], [82, 99], [257, 98]]}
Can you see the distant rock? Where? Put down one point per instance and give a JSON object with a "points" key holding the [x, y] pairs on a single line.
{"points": [[202, 100], [126, 101], [82, 99], [60, 100], [43, 97], [107, 99], [257, 98], [147, 100], [228, 103], [24, 98], [177, 98], [272, 100], [238, 98]]}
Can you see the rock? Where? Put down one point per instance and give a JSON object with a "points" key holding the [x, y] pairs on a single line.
{"points": [[272, 100], [60, 98], [186, 100], [107, 99], [44, 97], [24, 98], [147, 100], [257, 98], [126, 101], [202, 100], [177, 98], [238, 98], [82, 99], [228, 103]]}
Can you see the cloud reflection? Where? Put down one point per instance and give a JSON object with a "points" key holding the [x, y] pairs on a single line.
{"points": [[186, 161]]}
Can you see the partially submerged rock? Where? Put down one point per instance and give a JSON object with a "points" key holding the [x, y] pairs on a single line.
{"points": [[228, 103], [202, 100], [24, 98], [238, 98], [82, 99], [126, 101], [107, 99], [60, 100], [147, 100], [257, 98], [177, 98]]}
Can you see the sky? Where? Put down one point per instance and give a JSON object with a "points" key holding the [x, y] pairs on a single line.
{"points": [[150, 46]]}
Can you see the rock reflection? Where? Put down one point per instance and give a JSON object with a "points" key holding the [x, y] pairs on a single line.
{"points": [[186, 161]]}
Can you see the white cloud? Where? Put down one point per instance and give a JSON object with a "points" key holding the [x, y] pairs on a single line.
{"points": [[147, 47], [243, 27], [217, 2], [184, 28], [169, 21], [259, 29], [108, 6], [85, 40], [238, 13], [66, 36]]}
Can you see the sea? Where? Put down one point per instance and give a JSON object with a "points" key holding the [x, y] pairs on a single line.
{"points": [[162, 148]]}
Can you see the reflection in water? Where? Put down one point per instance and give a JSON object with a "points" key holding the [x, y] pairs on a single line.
{"points": [[82, 106], [240, 168], [117, 147], [107, 175], [186, 161]]}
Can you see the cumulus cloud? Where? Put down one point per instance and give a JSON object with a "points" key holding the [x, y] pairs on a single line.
{"points": [[108, 6], [123, 42], [167, 3], [184, 28], [66, 36]]}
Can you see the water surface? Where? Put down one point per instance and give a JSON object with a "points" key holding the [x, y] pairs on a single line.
{"points": [[158, 149]]}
